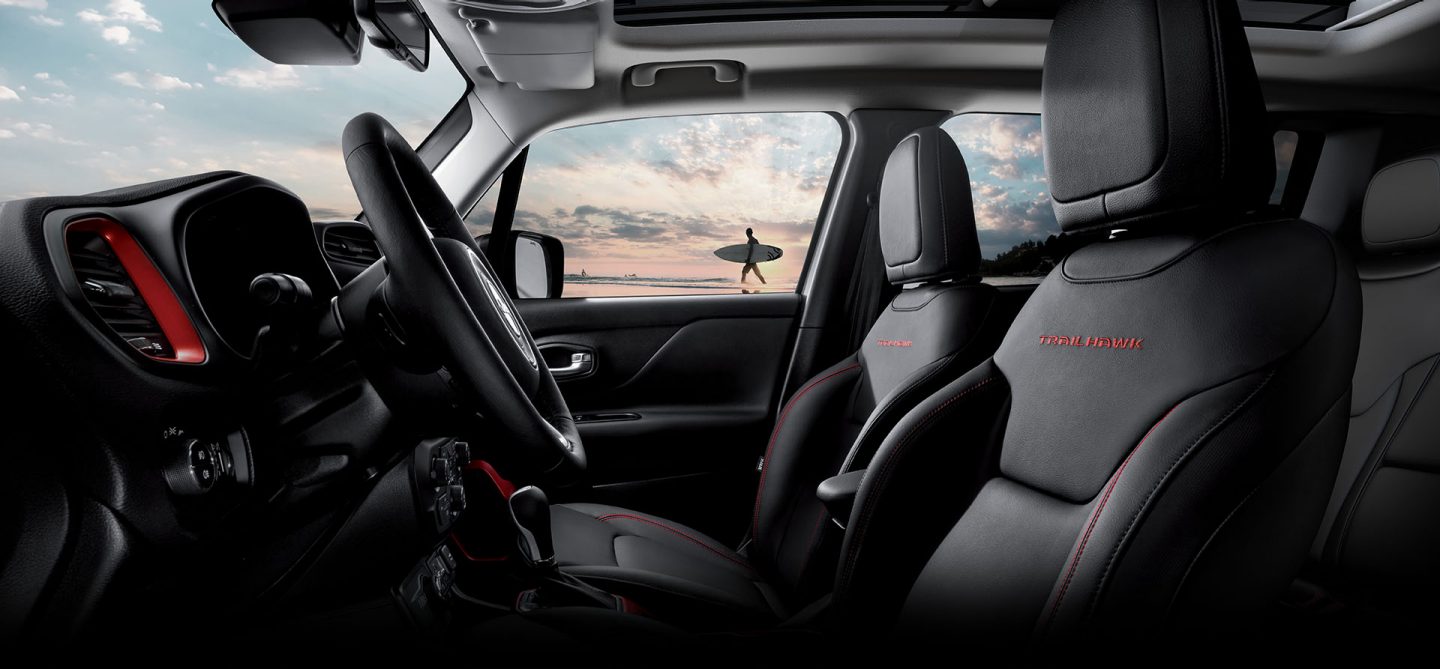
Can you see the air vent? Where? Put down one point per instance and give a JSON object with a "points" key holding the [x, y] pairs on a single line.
{"points": [[117, 283], [353, 244]]}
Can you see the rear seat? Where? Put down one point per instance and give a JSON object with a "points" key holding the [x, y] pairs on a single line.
{"points": [[1379, 543]]}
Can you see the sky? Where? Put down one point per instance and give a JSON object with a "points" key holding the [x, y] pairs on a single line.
{"points": [[96, 94], [656, 197], [1005, 156]]}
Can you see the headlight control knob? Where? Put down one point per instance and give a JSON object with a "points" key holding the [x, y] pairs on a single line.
{"points": [[197, 467]]}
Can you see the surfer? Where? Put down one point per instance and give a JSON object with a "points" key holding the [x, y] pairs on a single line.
{"points": [[750, 265]]}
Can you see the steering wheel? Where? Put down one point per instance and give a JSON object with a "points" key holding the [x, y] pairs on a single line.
{"points": [[446, 299]]}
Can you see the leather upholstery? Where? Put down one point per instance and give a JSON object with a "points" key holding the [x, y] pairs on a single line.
{"points": [[1379, 543], [927, 222], [1150, 447], [925, 337], [674, 571], [1402, 207], [1163, 115]]}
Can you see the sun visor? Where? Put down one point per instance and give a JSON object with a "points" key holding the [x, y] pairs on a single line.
{"points": [[538, 45]]}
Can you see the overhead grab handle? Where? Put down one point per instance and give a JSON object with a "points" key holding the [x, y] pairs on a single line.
{"points": [[726, 71]]}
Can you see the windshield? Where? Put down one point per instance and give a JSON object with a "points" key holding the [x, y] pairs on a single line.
{"points": [[96, 94]]}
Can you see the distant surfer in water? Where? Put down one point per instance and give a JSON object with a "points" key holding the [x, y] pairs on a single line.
{"points": [[750, 265]]}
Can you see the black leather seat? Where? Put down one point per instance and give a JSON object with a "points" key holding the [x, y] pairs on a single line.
{"points": [[929, 335], [1155, 439], [1152, 446], [1379, 546]]}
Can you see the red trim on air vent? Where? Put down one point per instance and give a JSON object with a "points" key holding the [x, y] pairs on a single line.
{"points": [[172, 318]]}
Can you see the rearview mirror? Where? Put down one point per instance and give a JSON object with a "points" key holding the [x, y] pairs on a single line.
{"points": [[536, 262], [395, 27]]}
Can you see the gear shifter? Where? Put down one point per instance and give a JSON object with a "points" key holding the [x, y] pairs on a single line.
{"points": [[530, 511]]}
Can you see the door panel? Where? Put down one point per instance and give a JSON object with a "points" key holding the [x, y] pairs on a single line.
{"points": [[678, 405]]}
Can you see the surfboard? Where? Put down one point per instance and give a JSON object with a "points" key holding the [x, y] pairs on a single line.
{"points": [[741, 253]]}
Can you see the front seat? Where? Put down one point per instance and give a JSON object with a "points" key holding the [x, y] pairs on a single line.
{"points": [[1380, 543], [1157, 434], [931, 333]]}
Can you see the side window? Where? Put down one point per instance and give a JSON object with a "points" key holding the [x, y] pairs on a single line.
{"points": [[482, 215], [1019, 238], [1286, 142], [670, 206]]}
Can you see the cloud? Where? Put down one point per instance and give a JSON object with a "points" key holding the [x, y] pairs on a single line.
{"points": [[166, 82], [24, 4], [131, 12], [43, 20], [50, 79], [41, 131], [7, 93], [153, 81], [6, 134], [115, 35], [269, 78], [63, 99], [117, 19]]}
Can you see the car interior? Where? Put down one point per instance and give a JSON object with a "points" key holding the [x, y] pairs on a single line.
{"points": [[1082, 325]]}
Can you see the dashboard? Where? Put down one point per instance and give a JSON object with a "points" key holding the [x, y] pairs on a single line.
{"points": [[138, 379], [233, 239]]}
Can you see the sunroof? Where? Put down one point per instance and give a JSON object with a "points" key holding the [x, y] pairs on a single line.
{"points": [[1305, 15]]}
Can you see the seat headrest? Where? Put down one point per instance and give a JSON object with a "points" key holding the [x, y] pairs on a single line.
{"points": [[927, 222], [1152, 111], [1402, 207]]}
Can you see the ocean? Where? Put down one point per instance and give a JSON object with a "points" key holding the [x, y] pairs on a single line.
{"points": [[620, 286]]}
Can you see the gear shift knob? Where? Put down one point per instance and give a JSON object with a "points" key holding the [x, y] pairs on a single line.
{"points": [[530, 511]]}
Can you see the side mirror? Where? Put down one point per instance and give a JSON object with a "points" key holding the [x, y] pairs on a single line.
{"points": [[536, 261], [395, 27]]}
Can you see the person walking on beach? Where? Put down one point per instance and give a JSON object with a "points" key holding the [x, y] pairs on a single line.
{"points": [[750, 265]]}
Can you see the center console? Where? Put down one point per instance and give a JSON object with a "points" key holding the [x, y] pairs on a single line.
{"points": [[494, 555]]}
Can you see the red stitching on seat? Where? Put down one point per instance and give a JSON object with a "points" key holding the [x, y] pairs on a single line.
{"points": [[607, 517], [1095, 516], [765, 468]]}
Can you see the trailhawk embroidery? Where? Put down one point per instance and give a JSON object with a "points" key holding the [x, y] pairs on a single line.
{"points": [[1124, 344], [893, 343]]}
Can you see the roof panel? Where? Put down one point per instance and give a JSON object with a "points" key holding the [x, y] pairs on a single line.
{"points": [[1301, 15]]}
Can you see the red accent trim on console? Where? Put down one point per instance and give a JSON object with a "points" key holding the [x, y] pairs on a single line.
{"points": [[770, 448], [172, 318], [502, 484], [625, 516], [1095, 515], [628, 605]]}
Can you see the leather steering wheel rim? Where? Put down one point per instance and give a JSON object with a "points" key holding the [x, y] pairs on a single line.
{"points": [[446, 297]]}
